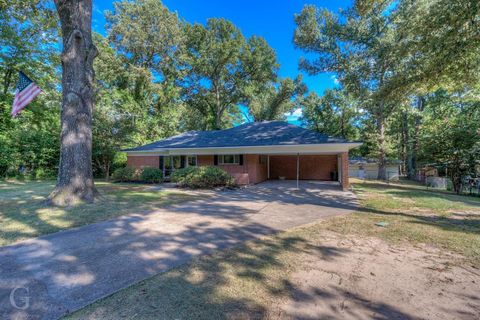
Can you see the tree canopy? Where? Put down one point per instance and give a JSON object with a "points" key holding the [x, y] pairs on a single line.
{"points": [[387, 54], [219, 65]]}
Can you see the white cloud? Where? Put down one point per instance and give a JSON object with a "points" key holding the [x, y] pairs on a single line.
{"points": [[96, 9], [297, 113], [335, 79], [294, 115]]}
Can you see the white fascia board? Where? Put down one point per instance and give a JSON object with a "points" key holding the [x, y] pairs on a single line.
{"points": [[325, 148]]}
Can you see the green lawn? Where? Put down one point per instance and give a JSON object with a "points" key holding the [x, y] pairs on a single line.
{"points": [[249, 281], [23, 213], [415, 215]]}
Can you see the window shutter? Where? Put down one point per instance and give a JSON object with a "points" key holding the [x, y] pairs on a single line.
{"points": [[160, 165], [240, 159], [215, 160]]}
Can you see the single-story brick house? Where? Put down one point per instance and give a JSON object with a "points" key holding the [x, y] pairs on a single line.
{"points": [[252, 153]]}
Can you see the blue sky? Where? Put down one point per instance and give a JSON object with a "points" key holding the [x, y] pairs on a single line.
{"points": [[270, 19]]}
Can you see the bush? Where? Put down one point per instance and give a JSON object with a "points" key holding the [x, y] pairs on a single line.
{"points": [[41, 173], [180, 175], [151, 175], [202, 177], [20, 176], [124, 174]]}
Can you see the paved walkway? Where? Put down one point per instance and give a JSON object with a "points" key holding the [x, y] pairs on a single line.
{"points": [[64, 271]]}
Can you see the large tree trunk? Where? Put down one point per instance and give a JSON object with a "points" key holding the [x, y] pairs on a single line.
{"points": [[75, 177], [411, 172], [416, 137], [382, 161], [455, 175], [405, 149], [218, 108], [107, 170], [218, 121]]}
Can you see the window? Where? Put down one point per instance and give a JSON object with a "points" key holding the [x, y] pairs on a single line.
{"points": [[229, 159], [192, 161]]}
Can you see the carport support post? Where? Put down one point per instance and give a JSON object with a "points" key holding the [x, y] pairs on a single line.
{"points": [[298, 167], [268, 166]]}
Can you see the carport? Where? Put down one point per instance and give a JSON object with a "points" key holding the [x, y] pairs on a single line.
{"points": [[321, 167]]}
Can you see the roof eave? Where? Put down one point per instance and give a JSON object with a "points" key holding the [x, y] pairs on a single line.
{"points": [[272, 149]]}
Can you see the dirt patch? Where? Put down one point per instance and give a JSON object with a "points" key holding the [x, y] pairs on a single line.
{"points": [[370, 279]]}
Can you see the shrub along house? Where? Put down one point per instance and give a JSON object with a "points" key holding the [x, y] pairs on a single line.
{"points": [[252, 153]]}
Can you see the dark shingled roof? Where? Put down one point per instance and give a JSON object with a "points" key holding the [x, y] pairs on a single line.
{"points": [[267, 133]]}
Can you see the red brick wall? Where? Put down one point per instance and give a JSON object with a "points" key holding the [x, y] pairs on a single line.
{"points": [[139, 162], [205, 160], [344, 163], [312, 167], [285, 166], [257, 172], [317, 167], [239, 172], [250, 172]]}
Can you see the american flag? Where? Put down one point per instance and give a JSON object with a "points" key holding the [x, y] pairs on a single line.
{"points": [[26, 91]]}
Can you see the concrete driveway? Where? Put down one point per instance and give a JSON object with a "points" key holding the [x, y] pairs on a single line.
{"points": [[55, 274]]}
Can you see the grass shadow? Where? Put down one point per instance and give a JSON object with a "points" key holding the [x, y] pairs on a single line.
{"points": [[238, 283], [24, 214]]}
